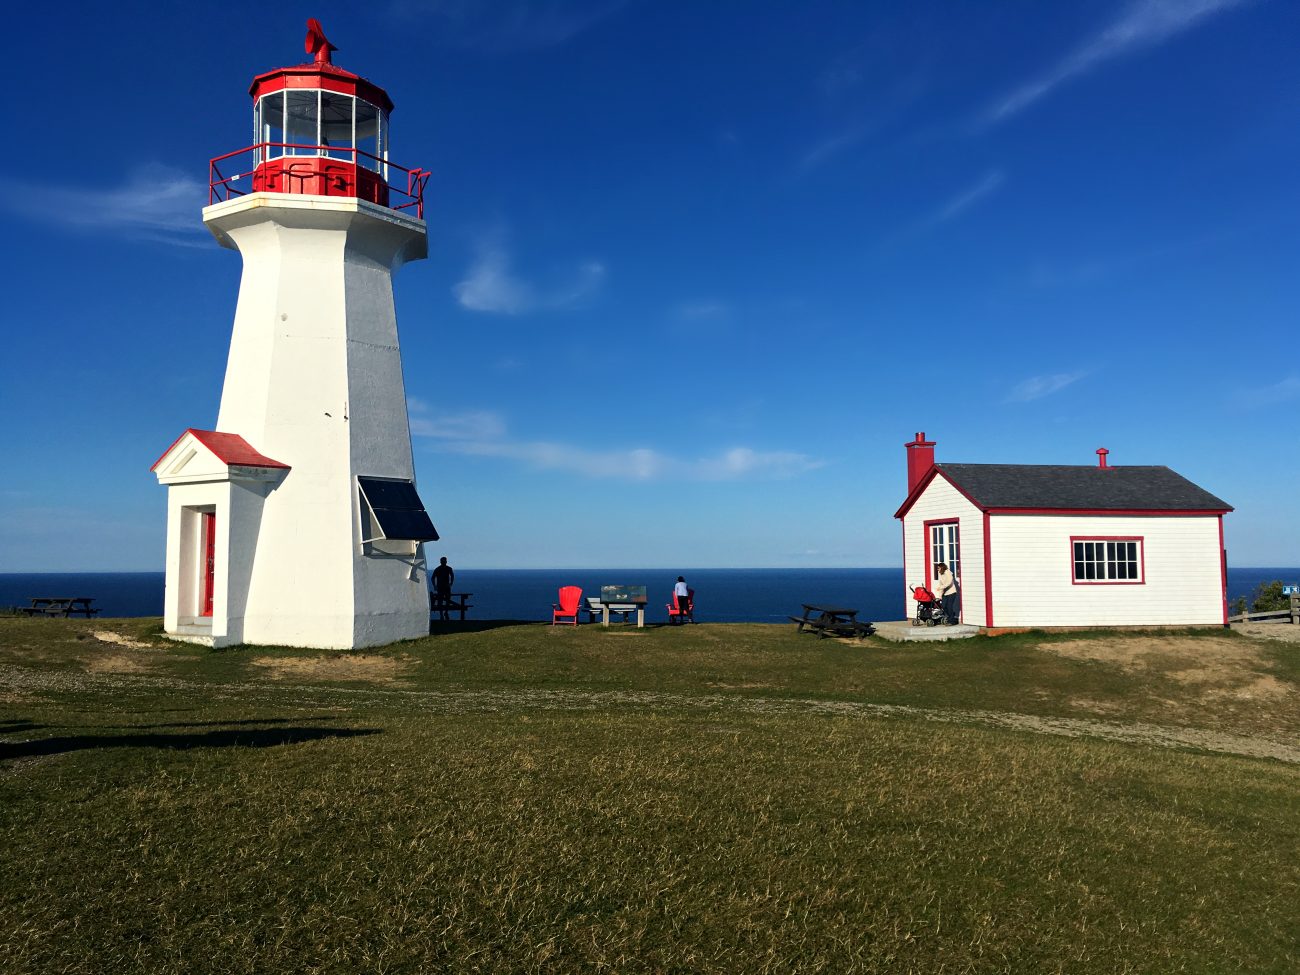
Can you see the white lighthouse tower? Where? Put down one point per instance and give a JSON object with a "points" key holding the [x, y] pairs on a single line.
{"points": [[296, 521]]}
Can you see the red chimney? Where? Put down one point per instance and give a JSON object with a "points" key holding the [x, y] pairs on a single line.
{"points": [[920, 458], [1101, 457]]}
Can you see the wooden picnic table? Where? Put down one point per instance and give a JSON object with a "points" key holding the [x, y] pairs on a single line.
{"points": [[456, 602], [831, 621], [62, 606]]}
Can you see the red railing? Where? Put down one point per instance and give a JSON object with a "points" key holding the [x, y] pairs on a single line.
{"points": [[222, 187]]}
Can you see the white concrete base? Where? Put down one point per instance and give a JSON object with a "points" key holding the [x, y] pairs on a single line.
{"points": [[902, 631], [189, 631]]}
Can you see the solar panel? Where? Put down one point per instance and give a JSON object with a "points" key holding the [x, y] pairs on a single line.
{"points": [[398, 511]]}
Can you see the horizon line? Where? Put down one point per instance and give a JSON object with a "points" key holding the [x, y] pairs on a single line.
{"points": [[565, 568]]}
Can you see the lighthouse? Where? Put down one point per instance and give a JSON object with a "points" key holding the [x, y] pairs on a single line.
{"points": [[296, 521]]}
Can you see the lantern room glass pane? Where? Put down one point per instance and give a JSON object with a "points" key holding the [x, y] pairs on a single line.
{"points": [[301, 127], [270, 124], [336, 124], [368, 117]]}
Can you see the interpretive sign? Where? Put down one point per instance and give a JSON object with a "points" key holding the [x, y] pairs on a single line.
{"points": [[623, 594]]}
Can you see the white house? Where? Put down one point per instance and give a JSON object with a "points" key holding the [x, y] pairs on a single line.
{"points": [[1039, 545], [321, 546]]}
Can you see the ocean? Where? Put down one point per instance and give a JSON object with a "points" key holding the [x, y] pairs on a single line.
{"points": [[721, 595]]}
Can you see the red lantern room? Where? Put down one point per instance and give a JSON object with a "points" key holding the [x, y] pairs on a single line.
{"points": [[321, 130]]}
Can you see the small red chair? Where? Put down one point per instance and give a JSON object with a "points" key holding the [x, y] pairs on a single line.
{"points": [[690, 607], [570, 600]]}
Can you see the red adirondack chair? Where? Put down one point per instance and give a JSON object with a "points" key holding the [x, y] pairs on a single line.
{"points": [[673, 611], [570, 600]]}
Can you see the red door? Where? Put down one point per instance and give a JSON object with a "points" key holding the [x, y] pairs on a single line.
{"points": [[209, 560]]}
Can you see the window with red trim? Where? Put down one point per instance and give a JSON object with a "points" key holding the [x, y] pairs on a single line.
{"points": [[1102, 560]]}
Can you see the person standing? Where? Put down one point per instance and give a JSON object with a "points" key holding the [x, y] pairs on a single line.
{"points": [[443, 577], [683, 596], [946, 588]]}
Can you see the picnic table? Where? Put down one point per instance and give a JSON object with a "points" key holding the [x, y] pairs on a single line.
{"points": [[596, 609], [456, 602], [62, 606], [831, 621], [624, 600]]}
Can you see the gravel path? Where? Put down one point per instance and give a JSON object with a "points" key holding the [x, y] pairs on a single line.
{"points": [[1269, 631]]}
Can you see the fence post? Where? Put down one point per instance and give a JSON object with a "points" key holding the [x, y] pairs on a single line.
{"points": [[1295, 608]]}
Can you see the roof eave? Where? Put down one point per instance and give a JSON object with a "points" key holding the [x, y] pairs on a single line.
{"points": [[925, 482], [1139, 512]]}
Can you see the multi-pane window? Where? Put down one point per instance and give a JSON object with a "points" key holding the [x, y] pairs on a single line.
{"points": [[945, 547], [1107, 559], [315, 122]]}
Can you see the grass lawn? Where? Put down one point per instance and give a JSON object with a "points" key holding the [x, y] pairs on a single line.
{"points": [[717, 798]]}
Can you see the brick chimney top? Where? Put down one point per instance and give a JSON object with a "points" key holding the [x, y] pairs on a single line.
{"points": [[920, 458]]}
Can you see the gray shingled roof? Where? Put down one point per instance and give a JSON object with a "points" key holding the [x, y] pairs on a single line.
{"points": [[1062, 486]]}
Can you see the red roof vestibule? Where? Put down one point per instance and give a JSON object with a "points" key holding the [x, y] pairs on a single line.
{"points": [[229, 448]]}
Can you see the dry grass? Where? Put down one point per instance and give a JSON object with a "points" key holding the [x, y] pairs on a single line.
{"points": [[116, 663], [1211, 670], [112, 636], [369, 668]]}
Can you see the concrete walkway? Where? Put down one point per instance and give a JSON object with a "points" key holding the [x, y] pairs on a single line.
{"points": [[902, 631]]}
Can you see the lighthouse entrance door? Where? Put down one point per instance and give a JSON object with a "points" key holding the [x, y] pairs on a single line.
{"points": [[208, 554]]}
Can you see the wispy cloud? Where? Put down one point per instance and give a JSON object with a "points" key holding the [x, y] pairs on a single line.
{"points": [[483, 434], [491, 286], [1143, 23], [1036, 387], [1119, 261], [893, 91], [891, 98], [508, 26], [1273, 394], [155, 202], [830, 147], [644, 464], [465, 425], [963, 201]]}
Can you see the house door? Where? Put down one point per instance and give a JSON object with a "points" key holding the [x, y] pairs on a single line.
{"points": [[945, 547], [209, 565]]}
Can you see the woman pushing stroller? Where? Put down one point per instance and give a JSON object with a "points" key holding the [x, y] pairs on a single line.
{"points": [[946, 588], [940, 607]]}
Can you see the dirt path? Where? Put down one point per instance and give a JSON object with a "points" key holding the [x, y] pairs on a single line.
{"points": [[17, 684]]}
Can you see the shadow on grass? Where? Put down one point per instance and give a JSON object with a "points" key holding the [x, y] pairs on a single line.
{"points": [[447, 627], [7, 727], [259, 738], [227, 724]]}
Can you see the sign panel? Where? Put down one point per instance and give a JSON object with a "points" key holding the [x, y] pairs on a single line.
{"points": [[1290, 590], [622, 594]]}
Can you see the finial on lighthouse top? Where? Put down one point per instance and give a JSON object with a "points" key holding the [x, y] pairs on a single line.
{"points": [[317, 44]]}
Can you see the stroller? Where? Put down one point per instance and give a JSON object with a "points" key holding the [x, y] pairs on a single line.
{"points": [[929, 608]]}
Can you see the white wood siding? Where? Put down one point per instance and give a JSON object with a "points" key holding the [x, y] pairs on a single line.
{"points": [[1033, 572], [942, 502]]}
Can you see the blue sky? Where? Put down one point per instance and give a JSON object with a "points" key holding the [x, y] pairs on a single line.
{"points": [[696, 271]]}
